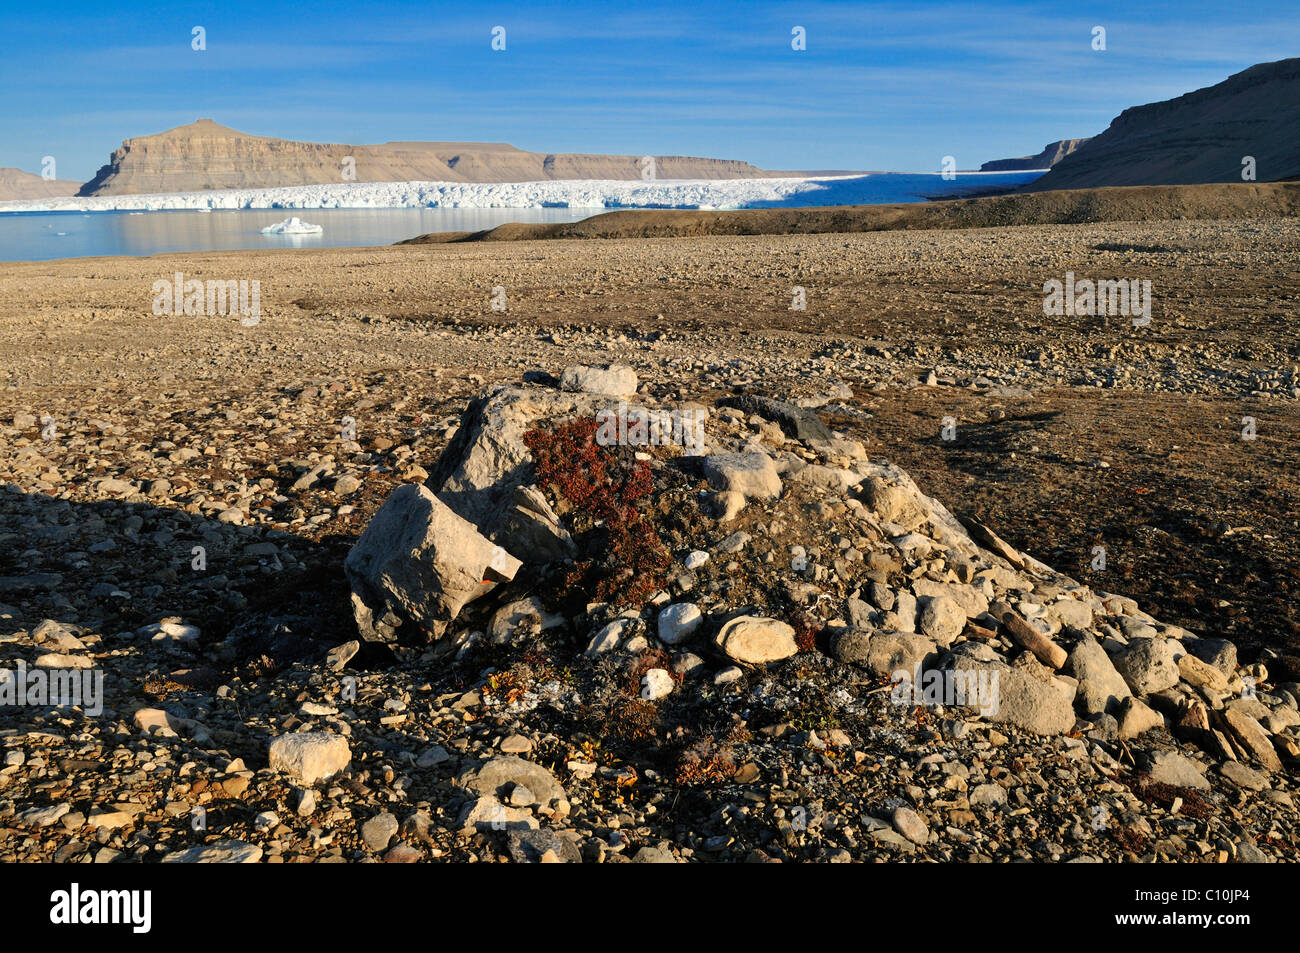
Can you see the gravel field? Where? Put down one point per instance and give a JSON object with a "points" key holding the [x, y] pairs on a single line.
{"points": [[178, 495]]}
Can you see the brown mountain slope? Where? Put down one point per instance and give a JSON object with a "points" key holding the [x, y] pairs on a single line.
{"points": [[205, 155], [1199, 137], [17, 184], [1052, 153]]}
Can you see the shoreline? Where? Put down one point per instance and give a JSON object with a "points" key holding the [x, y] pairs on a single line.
{"points": [[1227, 202]]}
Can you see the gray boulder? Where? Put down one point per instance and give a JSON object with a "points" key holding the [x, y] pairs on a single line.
{"points": [[890, 652], [1101, 687], [851, 645], [533, 529], [491, 778], [941, 618], [1170, 767], [309, 756], [1220, 653], [1147, 665], [416, 566], [796, 422], [481, 467], [1043, 707]]}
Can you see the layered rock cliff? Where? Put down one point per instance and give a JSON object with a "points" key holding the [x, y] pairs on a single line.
{"points": [[1202, 136], [204, 155], [1052, 153]]}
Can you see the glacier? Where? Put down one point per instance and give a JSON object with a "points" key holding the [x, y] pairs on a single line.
{"points": [[559, 193]]}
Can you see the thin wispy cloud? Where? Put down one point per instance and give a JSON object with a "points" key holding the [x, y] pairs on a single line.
{"points": [[880, 85]]}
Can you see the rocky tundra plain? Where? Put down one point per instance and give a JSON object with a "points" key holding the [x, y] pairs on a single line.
{"points": [[628, 573]]}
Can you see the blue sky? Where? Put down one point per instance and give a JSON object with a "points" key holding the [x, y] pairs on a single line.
{"points": [[880, 85]]}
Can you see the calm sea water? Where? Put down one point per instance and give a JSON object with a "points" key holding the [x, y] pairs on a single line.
{"points": [[40, 236]]}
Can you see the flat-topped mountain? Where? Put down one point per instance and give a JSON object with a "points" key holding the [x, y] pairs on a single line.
{"points": [[204, 155], [17, 184], [1052, 153], [1202, 136]]}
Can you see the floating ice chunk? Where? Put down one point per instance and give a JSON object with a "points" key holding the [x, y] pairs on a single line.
{"points": [[292, 226]]}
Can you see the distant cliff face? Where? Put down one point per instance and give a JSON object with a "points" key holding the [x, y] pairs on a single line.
{"points": [[204, 155], [1203, 136], [1052, 153], [16, 184]]}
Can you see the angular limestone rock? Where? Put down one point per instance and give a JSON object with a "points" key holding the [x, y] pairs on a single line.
{"points": [[1101, 687], [417, 564], [1170, 767], [309, 756], [1020, 699], [496, 776], [797, 422], [1252, 737], [752, 475], [890, 652], [1135, 718], [1148, 665], [533, 529], [486, 461], [618, 380]]}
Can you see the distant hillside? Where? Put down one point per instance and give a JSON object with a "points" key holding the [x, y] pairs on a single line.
{"points": [[204, 155], [17, 184], [1052, 153], [1199, 137]]}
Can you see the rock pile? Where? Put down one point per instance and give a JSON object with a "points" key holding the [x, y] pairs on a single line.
{"points": [[899, 586], [830, 665]]}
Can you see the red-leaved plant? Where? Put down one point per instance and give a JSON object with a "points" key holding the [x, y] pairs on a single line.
{"points": [[606, 491]]}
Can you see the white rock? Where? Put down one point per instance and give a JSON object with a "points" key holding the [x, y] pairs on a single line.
{"points": [[941, 618], [219, 852], [432, 757], [617, 380], [752, 475], [60, 661], [696, 559], [678, 622], [487, 814], [908, 823], [43, 816], [609, 636], [529, 611], [755, 641], [1148, 665], [310, 756], [170, 633], [656, 684]]}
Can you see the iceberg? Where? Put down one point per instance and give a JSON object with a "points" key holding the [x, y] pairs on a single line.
{"points": [[292, 226]]}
